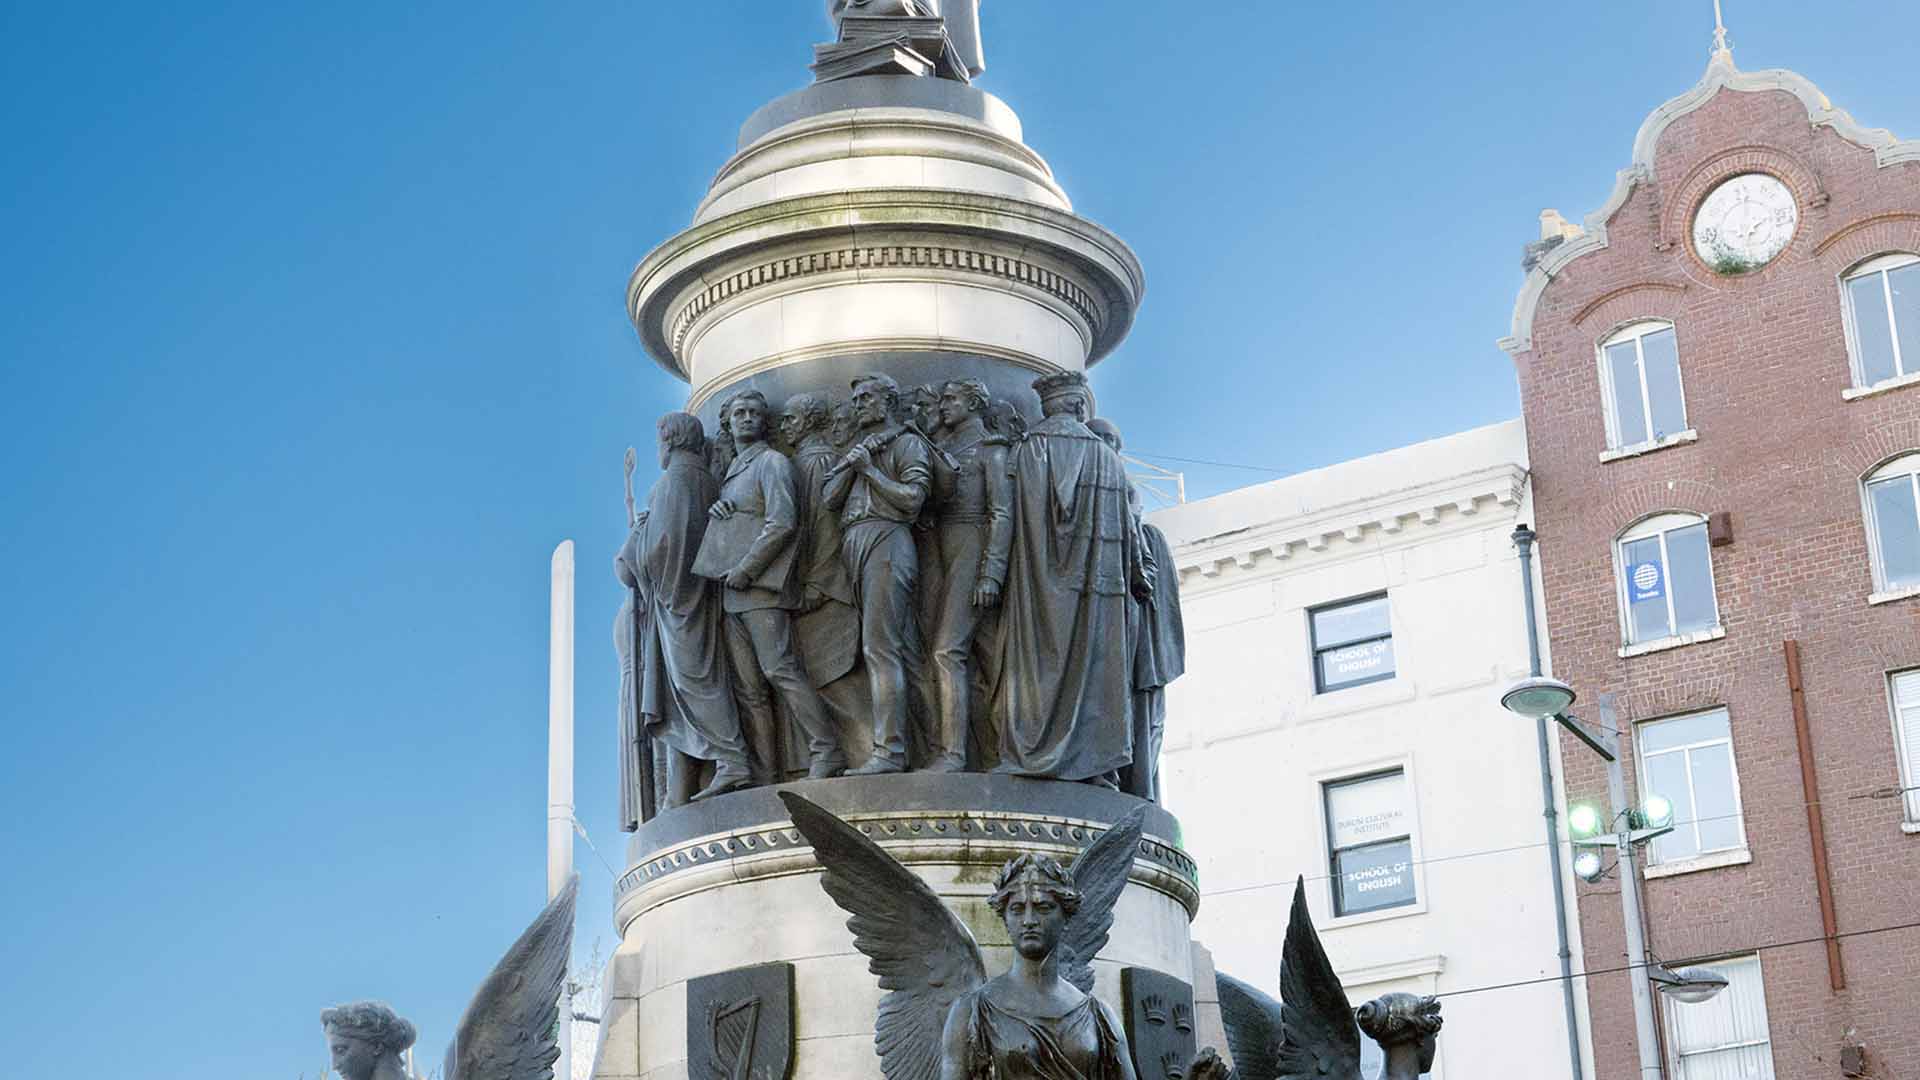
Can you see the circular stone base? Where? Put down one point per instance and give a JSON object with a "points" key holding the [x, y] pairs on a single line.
{"points": [[729, 882]]}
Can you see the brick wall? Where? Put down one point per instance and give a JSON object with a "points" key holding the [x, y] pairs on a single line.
{"points": [[1764, 360]]}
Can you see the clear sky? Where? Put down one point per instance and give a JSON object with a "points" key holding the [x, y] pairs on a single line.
{"points": [[314, 347]]}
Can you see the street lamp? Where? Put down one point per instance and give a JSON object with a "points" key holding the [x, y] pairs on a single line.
{"points": [[1540, 698]]}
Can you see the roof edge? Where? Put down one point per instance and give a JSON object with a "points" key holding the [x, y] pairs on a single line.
{"points": [[1721, 74]]}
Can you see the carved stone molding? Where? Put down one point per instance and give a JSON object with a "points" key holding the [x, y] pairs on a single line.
{"points": [[955, 258]]}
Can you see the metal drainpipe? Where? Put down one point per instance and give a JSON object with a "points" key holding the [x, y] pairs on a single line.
{"points": [[1523, 538]]}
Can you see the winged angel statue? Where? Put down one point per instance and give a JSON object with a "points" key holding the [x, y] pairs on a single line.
{"points": [[942, 1017], [507, 1032], [1312, 1033]]}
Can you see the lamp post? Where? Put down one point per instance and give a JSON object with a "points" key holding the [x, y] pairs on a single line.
{"points": [[1539, 698]]}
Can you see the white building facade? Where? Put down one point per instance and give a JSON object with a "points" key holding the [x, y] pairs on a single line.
{"points": [[1349, 631]]}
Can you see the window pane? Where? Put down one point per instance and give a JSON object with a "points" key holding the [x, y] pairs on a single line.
{"points": [[1905, 283], [1351, 622], [1367, 811], [1647, 586], [1352, 664], [1624, 373], [1374, 877], [1874, 337], [1692, 572], [1657, 735], [1662, 360], [1667, 775], [1716, 811], [1896, 525]]}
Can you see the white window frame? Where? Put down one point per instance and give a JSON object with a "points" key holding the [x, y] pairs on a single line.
{"points": [[1660, 525], [1908, 465], [1705, 857], [1315, 648], [1909, 766], [1634, 332], [1676, 1059], [1905, 367], [1359, 770]]}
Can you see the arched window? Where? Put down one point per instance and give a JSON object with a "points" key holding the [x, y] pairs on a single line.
{"points": [[1883, 318], [1640, 375], [1893, 523], [1665, 577]]}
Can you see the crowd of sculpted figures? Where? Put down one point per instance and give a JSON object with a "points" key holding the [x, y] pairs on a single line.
{"points": [[910, 579]]}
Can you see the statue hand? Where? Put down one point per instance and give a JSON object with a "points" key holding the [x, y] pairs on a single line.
{"points": [[860, 459], [1142, 586], [739, 578], [986, 594], [721, 510]]}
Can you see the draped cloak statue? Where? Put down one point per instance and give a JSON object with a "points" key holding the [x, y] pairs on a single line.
{"points": [[1064, 703], [684, 696]]}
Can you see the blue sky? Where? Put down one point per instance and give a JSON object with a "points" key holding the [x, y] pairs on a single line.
{"points": [[313, 348]]}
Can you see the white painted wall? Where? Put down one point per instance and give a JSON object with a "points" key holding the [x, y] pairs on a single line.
{"points": [[1249, 742]]}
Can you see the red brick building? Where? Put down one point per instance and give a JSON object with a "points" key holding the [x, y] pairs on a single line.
{"points": [[1721, 385]]}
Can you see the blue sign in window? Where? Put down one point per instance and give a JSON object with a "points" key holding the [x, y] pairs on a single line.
{"points": [[1646, 581]]}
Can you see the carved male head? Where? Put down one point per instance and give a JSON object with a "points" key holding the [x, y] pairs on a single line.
{"points": [[876, 398], [1035, 897], [841, 431], [680, 431], [961, 400], [1107, 430], [805, 413], [363, 1036], [747, 414], [1066, 393]]}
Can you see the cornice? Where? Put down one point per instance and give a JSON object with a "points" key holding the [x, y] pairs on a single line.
{"points": [[1392, 513], [1721, 75]]}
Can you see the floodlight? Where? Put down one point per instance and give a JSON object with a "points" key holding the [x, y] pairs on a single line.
{"points": [[1588, 867], [1658, 811], [1688, 986], [1583, 820], [1537, 698]]}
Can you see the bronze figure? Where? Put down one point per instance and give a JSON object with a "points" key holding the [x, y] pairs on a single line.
{"points": [[1312, 1032], [507, 1032], [752, 547], [878, 489], [943, 1018]]}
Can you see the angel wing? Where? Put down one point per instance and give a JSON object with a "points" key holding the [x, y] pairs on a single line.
{"points": [[1320, 1038], [925, 956], [1100, 873], [508, 1030], [1253, 1029]]}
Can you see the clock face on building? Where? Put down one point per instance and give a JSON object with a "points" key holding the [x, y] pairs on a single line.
{"points": [[1744, 223]]}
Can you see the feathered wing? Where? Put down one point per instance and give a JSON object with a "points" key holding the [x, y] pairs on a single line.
{"points": [[1253, 1029], [1320, 1037], [925, 956], [1100, 873], [508, 1030]]}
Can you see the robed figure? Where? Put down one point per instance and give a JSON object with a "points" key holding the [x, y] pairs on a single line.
{"points": [[683, 697], [1063, 704]]}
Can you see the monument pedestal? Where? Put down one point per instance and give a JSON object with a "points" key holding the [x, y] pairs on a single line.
{"points": [[730, 883]]}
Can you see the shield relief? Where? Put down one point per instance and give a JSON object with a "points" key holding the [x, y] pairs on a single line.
{"points": [[1159, 1023], [740, 1024]]}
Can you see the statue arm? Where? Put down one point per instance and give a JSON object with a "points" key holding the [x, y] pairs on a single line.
{"points": [[839, 485], [909, 493], [993, 561], [956, 1041]]}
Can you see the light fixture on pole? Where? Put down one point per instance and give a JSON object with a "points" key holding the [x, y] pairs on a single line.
{"points": [[1689, 986], [1541, 697]]}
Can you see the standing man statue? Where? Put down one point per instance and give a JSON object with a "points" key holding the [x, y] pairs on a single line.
{"points": [[755, 536], [1063, 704], [684, 700], [1159, 645], [828, 627], [974, 498], [878, 490]]}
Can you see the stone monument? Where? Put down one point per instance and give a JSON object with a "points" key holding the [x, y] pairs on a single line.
{"points": [[919, 558]]}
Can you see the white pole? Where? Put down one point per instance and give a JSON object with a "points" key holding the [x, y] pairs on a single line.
{"points": [[560, 767], [1646, 1036]]}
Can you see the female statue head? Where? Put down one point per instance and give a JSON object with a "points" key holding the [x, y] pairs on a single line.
{"points": [[366, 1038], [1035, 897]]}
